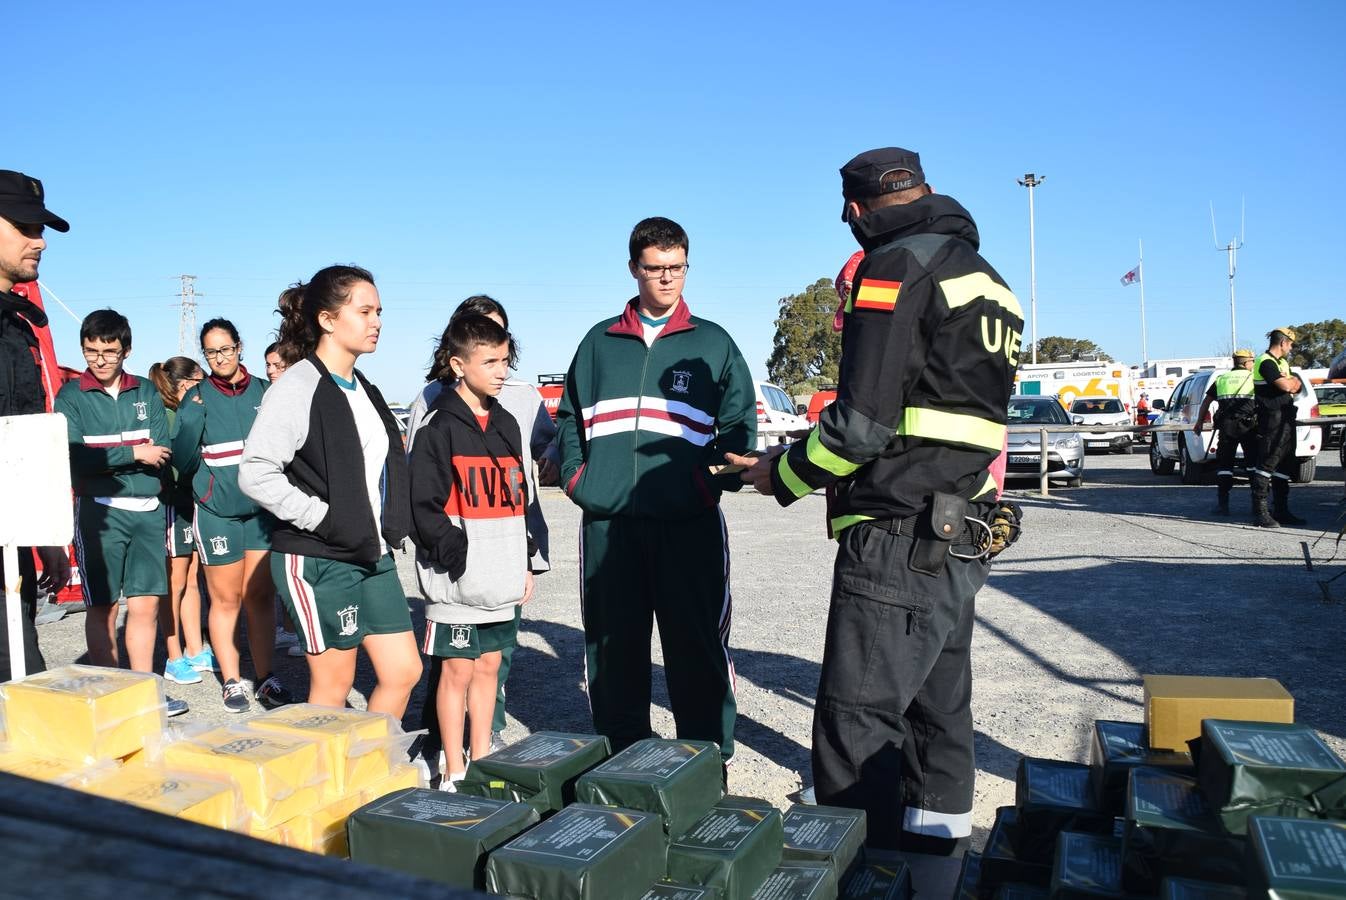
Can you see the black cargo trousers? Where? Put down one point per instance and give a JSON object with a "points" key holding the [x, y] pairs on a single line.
{"points": [[1234, 432], [1276, 463], [892, 725]]}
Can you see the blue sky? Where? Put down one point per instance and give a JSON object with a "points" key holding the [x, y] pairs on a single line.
{"points": [[508, 149]]}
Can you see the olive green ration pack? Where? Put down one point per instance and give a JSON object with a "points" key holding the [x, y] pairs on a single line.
{"points": [[582, 853], [1087, 866], [831, 834], [676, 780], [436, 835], [1117, 748], [796, 879], [1053, 796], [1191, 889], [1172, 830], [731, 847], [541, 769], [882, 875], [1296, 859], [1264, 768], [1000, 862]]}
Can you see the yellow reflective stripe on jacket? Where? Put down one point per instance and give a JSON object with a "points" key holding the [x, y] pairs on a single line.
{"points": [[793, 483], [964, 289], [841, 523], [951, 427], [825, 459]]}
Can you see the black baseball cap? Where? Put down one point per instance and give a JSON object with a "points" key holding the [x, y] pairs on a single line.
{"points": [[21, 201], [863, 176]]}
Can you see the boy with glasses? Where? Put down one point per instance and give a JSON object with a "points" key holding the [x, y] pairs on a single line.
{"points": [[118, 449]]}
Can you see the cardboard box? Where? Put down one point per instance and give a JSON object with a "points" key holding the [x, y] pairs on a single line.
{"points": [[1176, 704]]}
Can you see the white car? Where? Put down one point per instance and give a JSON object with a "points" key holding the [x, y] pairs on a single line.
{"points": [[1193, 454], [776, 416], [1102, 411]]}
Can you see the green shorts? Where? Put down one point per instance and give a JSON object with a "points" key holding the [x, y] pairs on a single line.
{"points": [[335, 604], [222, 539], [178, 534], [469, 641], [120, 552]]}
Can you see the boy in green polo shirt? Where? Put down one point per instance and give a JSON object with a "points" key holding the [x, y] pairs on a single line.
{"points": [[118, 434]]}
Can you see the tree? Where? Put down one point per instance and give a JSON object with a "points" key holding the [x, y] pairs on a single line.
{"points": [[1318, 343], [1064, 349], [806, 351]]}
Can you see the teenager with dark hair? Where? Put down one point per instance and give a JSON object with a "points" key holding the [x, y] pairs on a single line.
{"points": [[232, 531], [118, 448], [325, 458], [180, 617]]}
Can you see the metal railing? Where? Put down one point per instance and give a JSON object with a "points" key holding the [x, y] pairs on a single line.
{"points": [[1114, 429]]}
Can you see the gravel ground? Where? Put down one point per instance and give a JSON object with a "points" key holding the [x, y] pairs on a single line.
{"points": [[1125, 576]]}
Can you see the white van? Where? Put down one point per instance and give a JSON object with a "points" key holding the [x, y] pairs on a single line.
{"points": [[1192, 455], [776, 416]]}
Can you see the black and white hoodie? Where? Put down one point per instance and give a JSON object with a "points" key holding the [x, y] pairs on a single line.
{"points": [[468, 499]]}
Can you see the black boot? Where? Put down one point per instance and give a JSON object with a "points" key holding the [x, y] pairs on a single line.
{"points": [[1221, 504], [1262, 517], [1280, 494]]}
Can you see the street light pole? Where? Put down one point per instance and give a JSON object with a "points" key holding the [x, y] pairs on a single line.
{"points": [[1031, 181]]}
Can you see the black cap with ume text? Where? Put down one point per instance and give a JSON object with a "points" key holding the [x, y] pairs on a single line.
{"points": [[22, 201], [863, 177]]}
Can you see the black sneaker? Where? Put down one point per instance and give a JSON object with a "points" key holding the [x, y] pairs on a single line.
{"points": [[174, 707], [271, 693], [235, 696]]}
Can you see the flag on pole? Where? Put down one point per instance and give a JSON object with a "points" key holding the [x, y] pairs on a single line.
{"points": [[1131, 277]]}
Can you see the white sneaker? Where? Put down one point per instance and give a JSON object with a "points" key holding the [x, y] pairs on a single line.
{"points": [[450, 783], [808, 797]]}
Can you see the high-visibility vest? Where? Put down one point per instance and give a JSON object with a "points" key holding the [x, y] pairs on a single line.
{"points": [[1236, 383], [1281, 364]]}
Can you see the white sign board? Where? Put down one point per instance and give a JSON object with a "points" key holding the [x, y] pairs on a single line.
{"points": [[35, 504]]}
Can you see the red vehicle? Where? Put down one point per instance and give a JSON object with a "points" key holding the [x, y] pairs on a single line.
{"points": [[818, 402], [551, 387]]}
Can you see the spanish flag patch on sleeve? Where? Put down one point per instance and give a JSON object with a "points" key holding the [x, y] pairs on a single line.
{"points": [[877, 295]]}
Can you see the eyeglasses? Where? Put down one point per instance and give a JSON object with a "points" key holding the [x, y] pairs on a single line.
{"points": [[220, 353], [103, 356], [653, 272]]}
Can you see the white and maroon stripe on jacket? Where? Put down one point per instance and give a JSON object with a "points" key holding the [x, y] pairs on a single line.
{"points": [[656, 414], [227, 453]]}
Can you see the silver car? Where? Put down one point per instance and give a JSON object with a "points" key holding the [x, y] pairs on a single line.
{"points": [[1065, 450], [1102, 411]]}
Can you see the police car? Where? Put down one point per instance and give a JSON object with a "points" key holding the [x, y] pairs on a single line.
{"points": [[1194, 454]]}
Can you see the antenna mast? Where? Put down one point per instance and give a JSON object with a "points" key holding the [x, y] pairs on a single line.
{"points": [[1232, 248], [187, 314]]}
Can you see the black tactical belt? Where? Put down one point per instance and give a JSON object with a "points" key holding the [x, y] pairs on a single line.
{"points": [[971, 535]]}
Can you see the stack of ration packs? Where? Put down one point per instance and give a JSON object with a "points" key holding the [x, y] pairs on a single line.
{"points": [[1218, 795], [556, 816], [291, 776]]}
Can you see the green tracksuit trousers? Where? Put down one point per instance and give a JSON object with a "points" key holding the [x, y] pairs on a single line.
{"points": [[635, 572]]}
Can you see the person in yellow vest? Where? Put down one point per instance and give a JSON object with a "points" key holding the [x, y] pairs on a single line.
{"points": [[1235, 423], [1275, 389]]}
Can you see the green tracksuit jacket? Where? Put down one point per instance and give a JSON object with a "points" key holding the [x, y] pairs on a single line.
{"points": [[213, 420], [103, 432]]}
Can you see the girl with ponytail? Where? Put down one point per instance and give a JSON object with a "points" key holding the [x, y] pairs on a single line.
{"points": [[325, 458]]}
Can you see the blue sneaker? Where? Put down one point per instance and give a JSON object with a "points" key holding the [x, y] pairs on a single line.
{"points": [[174, 707], [181, 671], [204, 661]]}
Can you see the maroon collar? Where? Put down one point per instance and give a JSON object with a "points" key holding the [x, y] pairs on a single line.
{"points": [[87, 382], [629, 324], [231, 388]]}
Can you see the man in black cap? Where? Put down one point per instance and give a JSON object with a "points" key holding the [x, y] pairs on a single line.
{"points": [[929, 347], [23, 216]]}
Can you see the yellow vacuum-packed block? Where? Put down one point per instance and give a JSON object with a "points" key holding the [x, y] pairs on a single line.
{"points": [[84, 713], [356, 744], [39, 768], [280, 776], [404, 775], [216, 802], [323, 830]]}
